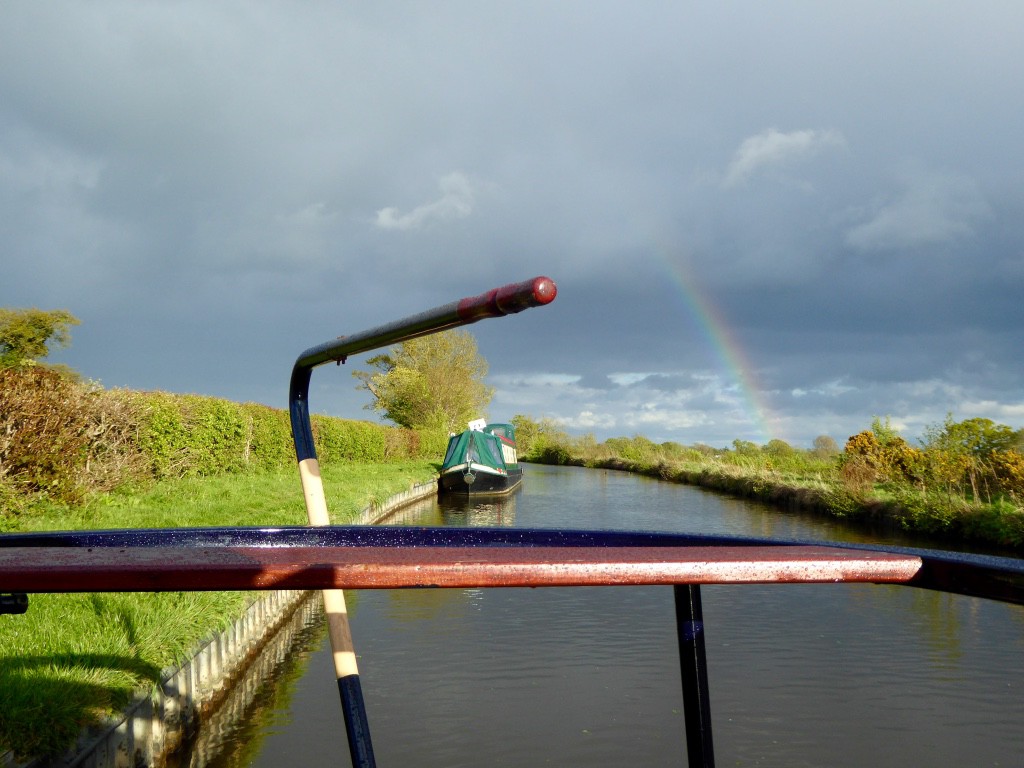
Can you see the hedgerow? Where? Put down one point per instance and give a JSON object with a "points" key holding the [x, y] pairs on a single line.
{"points": [[62, 439], [338, 440]]}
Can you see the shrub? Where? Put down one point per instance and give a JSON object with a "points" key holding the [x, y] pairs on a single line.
{"points": [[893, 460], [552, 454], [268, 437], [777, 447], [162, 435], [113, 457], [858, 475], [431, 444], [401, 444], [42, 432], [637, 449], [343, 440], [1008, 468], [180, 435], [533, 438], [217, 435], [12, 502]]}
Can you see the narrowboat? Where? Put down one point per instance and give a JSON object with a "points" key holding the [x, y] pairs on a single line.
{"points": [[481, 461]]}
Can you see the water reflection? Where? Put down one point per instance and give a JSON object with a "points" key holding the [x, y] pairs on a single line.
{"points": [[497, 512], [260, 703], [459, 511]]}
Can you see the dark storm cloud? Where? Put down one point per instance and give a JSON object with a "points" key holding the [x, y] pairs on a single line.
{"points": [[212, 189]]}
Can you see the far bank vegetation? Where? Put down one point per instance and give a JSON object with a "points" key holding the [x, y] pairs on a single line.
{"points": [[963, 483]]}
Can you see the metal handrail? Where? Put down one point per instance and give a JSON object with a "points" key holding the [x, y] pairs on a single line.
{"points": [[970, 574]]}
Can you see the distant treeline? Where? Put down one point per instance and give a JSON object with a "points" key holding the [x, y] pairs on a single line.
{"points": [[62, 439], [964, 482]]}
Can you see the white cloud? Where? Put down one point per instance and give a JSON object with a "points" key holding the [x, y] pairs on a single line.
{"points": [[628, 379], [456, 202], [931, 210], [588, 420], [774, 148], [703, 402], [831, 389], [665, 419], [535, 380], [1011, 413]]}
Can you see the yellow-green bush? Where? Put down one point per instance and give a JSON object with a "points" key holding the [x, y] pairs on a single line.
{"points": [[891, 460], [1008, 467]]}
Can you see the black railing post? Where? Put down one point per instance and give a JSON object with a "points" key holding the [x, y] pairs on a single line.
{"points": [[15, 602], [693, 662]]}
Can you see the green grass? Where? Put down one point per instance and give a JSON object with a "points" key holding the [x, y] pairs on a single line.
{"points": [[73, 659], [273, 498]]}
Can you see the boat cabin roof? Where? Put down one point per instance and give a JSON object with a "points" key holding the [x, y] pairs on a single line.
{"points": [[502, 430]]}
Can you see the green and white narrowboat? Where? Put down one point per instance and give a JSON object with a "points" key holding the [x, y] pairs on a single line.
{"points": [[481, 461]]}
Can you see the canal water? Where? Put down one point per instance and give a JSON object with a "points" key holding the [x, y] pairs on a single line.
{"points": [[800, 675]]}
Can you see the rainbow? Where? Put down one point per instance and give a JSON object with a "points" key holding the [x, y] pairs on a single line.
{"points": [[726, 348]]}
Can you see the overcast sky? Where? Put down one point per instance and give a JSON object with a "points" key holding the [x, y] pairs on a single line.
{"points": [[765, 220]]}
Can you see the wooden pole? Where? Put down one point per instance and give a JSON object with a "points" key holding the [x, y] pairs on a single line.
{"points": [[334, 599], [346, 670]]}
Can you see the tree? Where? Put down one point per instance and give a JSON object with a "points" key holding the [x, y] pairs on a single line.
{"points": [[777, 447], [825, 447], [27, 334], [534, 437], [976, 450], [974, 437], [434, 381], [745, 447]]}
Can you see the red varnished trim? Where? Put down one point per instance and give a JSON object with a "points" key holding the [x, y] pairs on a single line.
{"points": [[150, 569]]}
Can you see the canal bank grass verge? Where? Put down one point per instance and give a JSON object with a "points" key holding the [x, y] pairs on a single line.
{"points": [[878, 480], [73, 660]]}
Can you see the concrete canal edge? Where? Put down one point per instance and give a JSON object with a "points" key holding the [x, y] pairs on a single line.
{"points": [[376, 513], [159, 722]]}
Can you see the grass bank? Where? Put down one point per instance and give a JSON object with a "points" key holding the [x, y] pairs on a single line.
{"points": [[74, 659], [894, 487]]}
